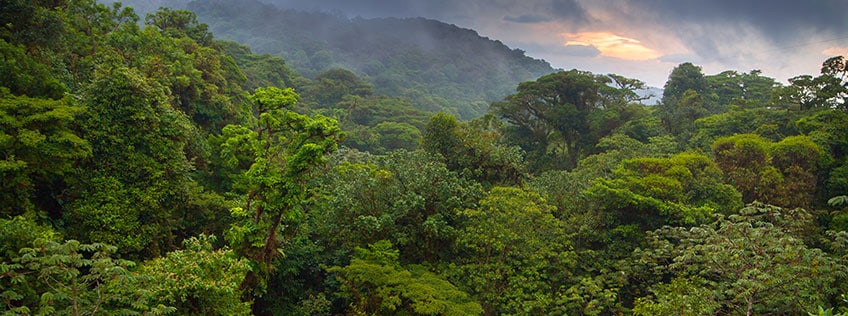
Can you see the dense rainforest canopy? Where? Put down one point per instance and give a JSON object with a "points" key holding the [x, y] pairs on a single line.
{"points": [[147, 167]]}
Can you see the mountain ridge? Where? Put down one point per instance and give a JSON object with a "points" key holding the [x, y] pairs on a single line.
{"points": [[438, 65]]}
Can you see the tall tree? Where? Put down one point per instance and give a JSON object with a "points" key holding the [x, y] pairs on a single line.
{"points": [[178, 23], [743, 89], [128, 193], [685, 76], [782, 173], [686, 98], [408, 198], [551, 117], [276, 156], [826, 91]]}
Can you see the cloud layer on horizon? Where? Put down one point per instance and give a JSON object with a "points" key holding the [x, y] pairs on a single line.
{"points": [[783, 38]]}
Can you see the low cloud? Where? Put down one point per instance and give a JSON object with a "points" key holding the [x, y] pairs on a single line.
{"points": [[580, 50], [528, 18]]}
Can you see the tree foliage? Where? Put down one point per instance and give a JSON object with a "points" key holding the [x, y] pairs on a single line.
{"points": [[123, 141], [71, 278], [280, 153], [39, 146], [784, 173], [556, 115], [685, 189], [749, 263], [476, 149], [197, 279], [516, 253], [376, 283]]}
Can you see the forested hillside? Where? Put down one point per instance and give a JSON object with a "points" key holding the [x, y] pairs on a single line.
{"points": [[148, 167], [440, 67]]}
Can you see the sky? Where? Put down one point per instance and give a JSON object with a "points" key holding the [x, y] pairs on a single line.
{"points": [[642, 39]]}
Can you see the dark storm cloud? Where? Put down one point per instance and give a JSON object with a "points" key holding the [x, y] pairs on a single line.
{"points": [[783, 23], [569, 10], [776, 18]]}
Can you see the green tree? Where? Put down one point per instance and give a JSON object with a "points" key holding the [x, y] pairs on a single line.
{"points": [[624, 89], [475, 149], [279, 153], [31, 22], [71, 278], [441, 137], [330, 87], [644, 194], [202, 80], [826, 91], [746, 162], [178, 23], [685, 189], [408, 198], [771, 124], [551, 117], [39, 146], [87, 28], [685, 76], [834, 82], [360, 116], [394, 135], [686, 97], [749, 263], [376, 283], [197, 279], [748, 90], [799, 159], [23, 75], [680, 118], [127, 193], [783, 173], [516, 253], [261, 70], [825, 128]]}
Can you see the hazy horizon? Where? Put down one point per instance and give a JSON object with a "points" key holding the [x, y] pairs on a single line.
{"points": [[642, 39]]}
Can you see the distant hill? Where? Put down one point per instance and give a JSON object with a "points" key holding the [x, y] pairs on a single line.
{"points": [[439, 66]]}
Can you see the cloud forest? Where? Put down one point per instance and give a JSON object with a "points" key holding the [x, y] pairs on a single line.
{"points": [[200, 160]]}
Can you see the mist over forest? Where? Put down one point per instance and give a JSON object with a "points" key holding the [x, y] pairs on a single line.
{"points": [[218, 157]]}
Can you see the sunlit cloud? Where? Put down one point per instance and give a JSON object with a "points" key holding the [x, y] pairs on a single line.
{"points": [[835, 51], [612, 45]]}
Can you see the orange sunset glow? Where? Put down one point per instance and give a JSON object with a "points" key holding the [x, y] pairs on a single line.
{"points": [[835, 51], [612, 45]]}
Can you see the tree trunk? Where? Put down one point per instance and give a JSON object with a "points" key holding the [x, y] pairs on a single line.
{"points": [[750, 306]]}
